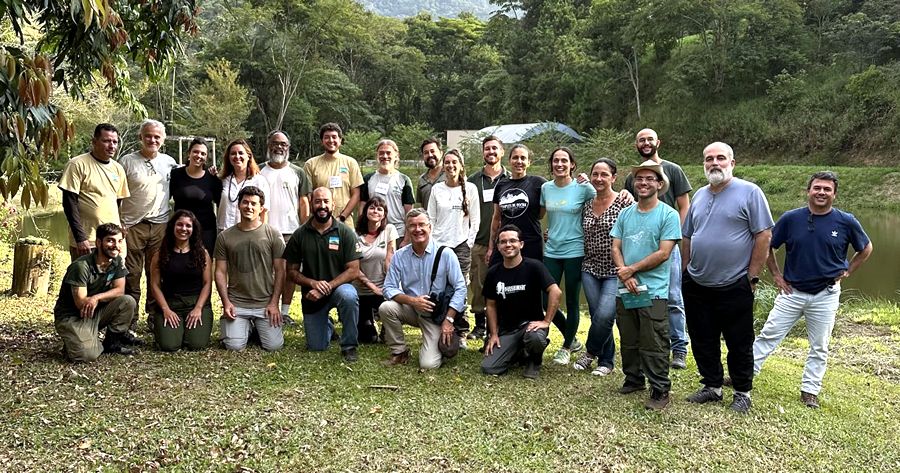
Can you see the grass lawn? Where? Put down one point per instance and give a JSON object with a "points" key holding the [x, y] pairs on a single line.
{"points": [[301, 411]]}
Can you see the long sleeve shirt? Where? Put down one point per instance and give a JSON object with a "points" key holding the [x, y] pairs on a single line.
{"points": [[410, 274]]}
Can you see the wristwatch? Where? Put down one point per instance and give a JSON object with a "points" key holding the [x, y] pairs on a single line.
{"points": [[451, 319], [754, 279]]}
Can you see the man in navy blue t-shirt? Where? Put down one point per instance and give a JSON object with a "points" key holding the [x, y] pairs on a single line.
{"points": [[816, 238]]}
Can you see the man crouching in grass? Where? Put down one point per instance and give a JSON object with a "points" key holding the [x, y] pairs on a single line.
{"points": [[92, 297], [517, 323]]}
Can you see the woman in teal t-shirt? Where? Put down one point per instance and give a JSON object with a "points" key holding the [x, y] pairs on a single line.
{"points": [[564, 200]]}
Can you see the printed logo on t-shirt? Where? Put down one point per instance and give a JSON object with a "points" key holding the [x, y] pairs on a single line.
{"points": [[334, 243], [503, 289], [344, 170], [834, 233], [513, 202]]}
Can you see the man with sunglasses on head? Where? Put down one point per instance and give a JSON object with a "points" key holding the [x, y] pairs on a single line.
{"points": [[816, 238]]}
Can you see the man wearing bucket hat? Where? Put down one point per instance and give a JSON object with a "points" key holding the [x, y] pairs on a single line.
{"points": [[726, 240], [643, 238]]}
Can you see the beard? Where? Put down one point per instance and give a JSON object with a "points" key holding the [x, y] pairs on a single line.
{"points": [[110, 253], [277, 158], [716, 176], [649, 154], [319, 218], [431, 163]]}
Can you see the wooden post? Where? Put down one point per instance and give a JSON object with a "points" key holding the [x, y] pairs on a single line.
{"points": [[31, 267]]}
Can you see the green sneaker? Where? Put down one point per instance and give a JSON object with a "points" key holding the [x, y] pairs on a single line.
{"points": [[562, 357]]}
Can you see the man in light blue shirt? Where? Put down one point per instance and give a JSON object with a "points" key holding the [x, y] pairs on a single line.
{"points": [[407, 289]]}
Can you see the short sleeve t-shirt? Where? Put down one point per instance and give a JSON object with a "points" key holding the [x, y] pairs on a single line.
{"points": [[678, 183], [520, 205], [287, 185], [396, 190], [251, 263], [518, 292], [597, 241], [817, 246], [721, 228], [148, 182], [340, 174], [640, 233], [83, 272], [486, 188], [99, 186], [321, 256], [423, 189], [200, 196], [564, 205], [373, 256]]}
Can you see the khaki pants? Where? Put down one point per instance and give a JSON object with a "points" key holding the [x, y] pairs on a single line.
{"points": [[79, 335], [476, 278], [142, 240], [393, 316]]}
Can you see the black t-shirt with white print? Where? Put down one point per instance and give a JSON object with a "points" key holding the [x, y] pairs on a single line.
{"points": [[517, 292]]}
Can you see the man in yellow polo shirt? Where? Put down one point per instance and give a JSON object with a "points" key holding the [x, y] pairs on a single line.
{"points": [[335, 171]]}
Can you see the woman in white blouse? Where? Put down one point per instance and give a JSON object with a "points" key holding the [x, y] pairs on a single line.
{"points": [[239, 170]]}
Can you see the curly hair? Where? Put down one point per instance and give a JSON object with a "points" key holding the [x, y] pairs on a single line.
{"points": [[195, 242]]}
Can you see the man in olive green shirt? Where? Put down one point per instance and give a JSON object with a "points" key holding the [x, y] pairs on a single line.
{"points": [[323, 259], [250, 276], [92, 297]]}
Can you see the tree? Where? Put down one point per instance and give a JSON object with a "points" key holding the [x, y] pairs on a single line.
{"points": [[221, 105], [78, 39]]}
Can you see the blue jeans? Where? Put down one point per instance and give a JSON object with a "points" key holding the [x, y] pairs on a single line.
{"points": [[318, 326], [677, 332], [601, 298]]}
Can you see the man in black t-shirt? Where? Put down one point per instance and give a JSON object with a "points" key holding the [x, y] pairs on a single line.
{"points": [[517, 324]]}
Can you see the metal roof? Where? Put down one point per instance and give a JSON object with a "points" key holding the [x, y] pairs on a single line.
{"points": [[525, 131]]}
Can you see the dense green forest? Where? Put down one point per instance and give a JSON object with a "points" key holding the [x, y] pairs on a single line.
{"points": [[813, 81]]}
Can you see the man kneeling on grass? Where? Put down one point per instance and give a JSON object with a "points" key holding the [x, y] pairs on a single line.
{"points": [[92, 297], [643, 238], [517, 324]]}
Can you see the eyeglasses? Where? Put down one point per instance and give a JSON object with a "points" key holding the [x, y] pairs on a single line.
{"points": [[810, 225], [645, 179], [280, 144], [511, 241], [150, 170]]}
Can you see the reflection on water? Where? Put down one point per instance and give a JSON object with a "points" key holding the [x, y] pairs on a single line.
{"points": [[879, 277]]}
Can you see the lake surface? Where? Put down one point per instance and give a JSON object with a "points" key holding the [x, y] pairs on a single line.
{"points": [[879, 277]]}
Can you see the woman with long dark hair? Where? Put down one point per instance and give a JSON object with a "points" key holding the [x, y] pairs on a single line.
{"points": [[517, 201], [180, 285], [239, 170], [196, 189], [377, 240]]}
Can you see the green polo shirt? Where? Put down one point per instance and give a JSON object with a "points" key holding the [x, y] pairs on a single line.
{"points": [[483, 182], [321, 256], [83, 272]]}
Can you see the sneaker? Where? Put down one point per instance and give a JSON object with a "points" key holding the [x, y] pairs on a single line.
{"points": [[532, 370], [130, 339], [576, 346], [811, 400], [602, 371], [740, 403], [562, 357], [350, 355], [463, 345], [477, 334], [288, 320], [658, 400], [704, 395], [397, 359], [631, 388], [679, 361], [584, 362]]}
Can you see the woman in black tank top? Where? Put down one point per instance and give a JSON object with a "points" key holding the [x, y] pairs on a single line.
{"points": [[180, 286]]}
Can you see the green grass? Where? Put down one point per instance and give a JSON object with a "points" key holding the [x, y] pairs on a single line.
{"points": [[299, 411]]}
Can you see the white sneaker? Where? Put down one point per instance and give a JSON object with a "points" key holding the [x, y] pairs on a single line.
{"points": [[462, 343], [562, 357], [601, 371]]}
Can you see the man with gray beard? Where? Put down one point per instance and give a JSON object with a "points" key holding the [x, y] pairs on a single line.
{"points": [[725, 242], [289, 203]]}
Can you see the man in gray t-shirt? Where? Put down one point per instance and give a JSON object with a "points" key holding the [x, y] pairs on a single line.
{"points": [[676, 196], [725, 242]]}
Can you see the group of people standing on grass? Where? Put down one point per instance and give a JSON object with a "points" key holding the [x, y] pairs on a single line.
{"points": [[661, 268]]}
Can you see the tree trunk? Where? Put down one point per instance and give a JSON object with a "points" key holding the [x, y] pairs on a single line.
{"points": [[31, 270]]}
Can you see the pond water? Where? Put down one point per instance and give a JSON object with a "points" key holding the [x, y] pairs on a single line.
{"points": [[879, 277]]}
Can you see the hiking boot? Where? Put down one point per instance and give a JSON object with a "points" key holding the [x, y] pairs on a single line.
{"points": [[532, 370], [679, 361], [631, 388], [741, 403], [397, 359], [562, 357], [704, 395], [350, 355], [811, 400], [112, 345], [584, 362], [658, 400], [130, 339], [576, 346], [477, 334], [602, 371]]}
